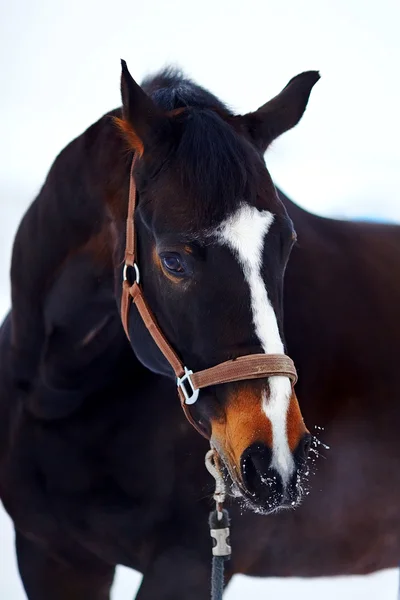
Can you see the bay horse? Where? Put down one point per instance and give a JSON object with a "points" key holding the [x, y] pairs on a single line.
{"points": [[98, 465]]}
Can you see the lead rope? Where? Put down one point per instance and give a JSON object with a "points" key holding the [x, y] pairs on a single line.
{"points": [[219, 528]]}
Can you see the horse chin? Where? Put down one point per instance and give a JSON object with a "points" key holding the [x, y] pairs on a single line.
{"points": [[275, 503]]}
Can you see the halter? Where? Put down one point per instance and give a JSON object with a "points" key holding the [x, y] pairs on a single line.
{"points": [[189, 384]]}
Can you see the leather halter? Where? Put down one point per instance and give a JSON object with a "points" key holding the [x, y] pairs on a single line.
{"points": [[251, 366]]}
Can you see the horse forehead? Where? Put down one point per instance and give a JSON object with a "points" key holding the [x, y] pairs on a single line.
{"points": [[244, 232]]}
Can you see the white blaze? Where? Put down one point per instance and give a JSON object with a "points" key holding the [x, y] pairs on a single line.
{"points": [[244, 233]]}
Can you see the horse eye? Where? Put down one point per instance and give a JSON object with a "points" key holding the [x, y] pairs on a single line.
{"points": [[173, 263]]}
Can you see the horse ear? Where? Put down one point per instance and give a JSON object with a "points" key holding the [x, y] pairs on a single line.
{"points": [[142, 122], [282, 112]]}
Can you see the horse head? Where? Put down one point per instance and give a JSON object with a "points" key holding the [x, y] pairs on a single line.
{"points": [[213, 240]]}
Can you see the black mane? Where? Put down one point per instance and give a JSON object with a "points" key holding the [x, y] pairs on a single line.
{"points": [[171, 88], [216, 164]]}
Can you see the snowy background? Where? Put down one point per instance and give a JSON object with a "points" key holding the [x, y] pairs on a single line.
{"points": [[59, 72]]}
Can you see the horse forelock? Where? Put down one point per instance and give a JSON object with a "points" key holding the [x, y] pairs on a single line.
{"points": [[171, 89], [212, 165], [216, 167]]}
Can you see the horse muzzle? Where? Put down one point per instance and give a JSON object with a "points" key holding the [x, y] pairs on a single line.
{"points": [[265, 452]]}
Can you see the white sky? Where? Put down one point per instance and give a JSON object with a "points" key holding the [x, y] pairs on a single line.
{"points": [[59, 72]]}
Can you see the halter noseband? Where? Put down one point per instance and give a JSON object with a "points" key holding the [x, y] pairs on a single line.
{"points": [[250, 366]]}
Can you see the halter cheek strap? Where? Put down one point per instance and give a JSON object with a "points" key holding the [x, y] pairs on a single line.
{"points": [[251, 366]]}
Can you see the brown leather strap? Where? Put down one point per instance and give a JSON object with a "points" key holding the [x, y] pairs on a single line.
{"points": [[130, 247], [154, 330], [125, 306], [134, 292], [252, 366]]}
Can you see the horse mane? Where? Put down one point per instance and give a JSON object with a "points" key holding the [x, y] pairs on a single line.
{"points": [[216, 165], [171, 89]]}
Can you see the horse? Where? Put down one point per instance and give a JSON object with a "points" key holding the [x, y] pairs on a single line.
{"points": [[98, 465]]}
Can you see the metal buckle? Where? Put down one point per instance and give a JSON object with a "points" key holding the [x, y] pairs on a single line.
{"points": [[125, 273], [181, 382]]}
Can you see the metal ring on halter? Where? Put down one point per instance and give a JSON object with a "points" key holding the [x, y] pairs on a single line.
{"points": [[125, 273]]}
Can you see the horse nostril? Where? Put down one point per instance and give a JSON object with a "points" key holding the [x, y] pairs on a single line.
{"points": [[249, 473], [257, 474]]}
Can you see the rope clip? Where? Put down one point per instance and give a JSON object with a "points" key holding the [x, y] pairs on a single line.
{"points": [[219, 518]]}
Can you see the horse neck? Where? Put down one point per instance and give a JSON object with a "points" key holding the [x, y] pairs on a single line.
{"points": [[85, 193], [306, 287], [324, 318]]}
